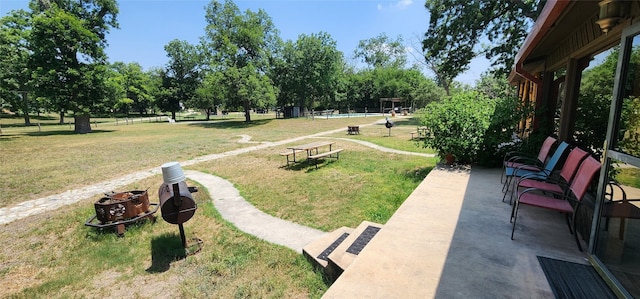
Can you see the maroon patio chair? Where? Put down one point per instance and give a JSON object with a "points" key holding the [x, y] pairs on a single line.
{"points": [[566, 202], [554, 183], [548, 169], [619, 207], [519, 159]]}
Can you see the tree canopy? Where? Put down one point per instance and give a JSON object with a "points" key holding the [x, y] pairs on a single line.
{"points": [[132, 87], [310, 70], [181, 77], [67, 41], [457, 28], [14, 74], [54, 60], [382, 51], [241, 45]]}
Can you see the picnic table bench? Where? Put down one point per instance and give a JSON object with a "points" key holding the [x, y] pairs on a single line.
{"points": [[419, 133], [312, 151], [328, 154], [289, 154]]}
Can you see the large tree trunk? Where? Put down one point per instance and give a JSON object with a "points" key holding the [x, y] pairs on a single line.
{"points": [[27, 120], [247, 110], [82, 124], [25, 108]]}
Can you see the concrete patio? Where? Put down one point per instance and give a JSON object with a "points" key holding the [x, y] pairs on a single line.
{"points": [[451, 239]]}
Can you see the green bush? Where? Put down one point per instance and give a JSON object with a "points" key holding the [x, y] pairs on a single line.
{"points": [[500, 136], [471, 126]]}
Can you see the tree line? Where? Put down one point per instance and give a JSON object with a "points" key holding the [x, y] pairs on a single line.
{"points": [[54, 60]]}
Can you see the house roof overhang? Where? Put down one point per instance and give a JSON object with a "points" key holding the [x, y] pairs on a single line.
{"points": [[565, 29], [551, 12]]}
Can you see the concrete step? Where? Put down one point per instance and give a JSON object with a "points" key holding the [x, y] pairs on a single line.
{"points": [[340, 258], [317, 252]]}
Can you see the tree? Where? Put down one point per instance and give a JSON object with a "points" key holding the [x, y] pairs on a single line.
{"points": [[382, 51], [311, 70], [495, 86], [211, 93], [67, 41], [282, 73], [456, 28], [134, 84], [422, 90], [154, 86], [181, 78], [240, 45], [14, 74]]}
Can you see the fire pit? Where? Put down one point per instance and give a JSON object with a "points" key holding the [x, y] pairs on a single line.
{"points": [[118, 209]]}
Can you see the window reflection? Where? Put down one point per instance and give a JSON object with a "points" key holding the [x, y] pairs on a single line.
{"points": [[630, 127], [619, 237], [629, 121]]}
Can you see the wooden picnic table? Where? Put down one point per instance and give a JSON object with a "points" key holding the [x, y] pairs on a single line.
{"points": [[353, 130], [313, 152], [420, 132], [310, 147]]}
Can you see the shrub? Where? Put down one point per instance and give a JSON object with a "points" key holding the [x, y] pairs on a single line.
{"points": [[500, 137], [472, 127]]}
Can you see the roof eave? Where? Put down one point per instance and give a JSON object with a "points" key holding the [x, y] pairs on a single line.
{"points": [[551, 12]]}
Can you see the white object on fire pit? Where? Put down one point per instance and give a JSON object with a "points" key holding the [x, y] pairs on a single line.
{"points": [[172, 173]]}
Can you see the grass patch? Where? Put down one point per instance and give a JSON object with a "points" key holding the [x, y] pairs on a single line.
{"points": [[364, 184], [40, 163], [629, 177], [54, 254]]}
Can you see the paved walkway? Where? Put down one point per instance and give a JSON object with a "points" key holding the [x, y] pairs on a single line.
{"points": [[227, 199], [235, 209]]}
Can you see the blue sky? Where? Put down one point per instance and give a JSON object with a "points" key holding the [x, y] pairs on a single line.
{"points": [[147, 25]]}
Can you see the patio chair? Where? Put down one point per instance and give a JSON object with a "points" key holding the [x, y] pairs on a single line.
{"points": [[554, 183], [566, 202], [514, 159], [619, 207], [532, 171]]}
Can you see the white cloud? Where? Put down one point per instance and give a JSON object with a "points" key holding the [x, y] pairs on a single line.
{"points": [[404, 3], [401, 4]]}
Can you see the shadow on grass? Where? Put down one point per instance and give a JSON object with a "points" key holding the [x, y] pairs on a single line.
{"points": [[20, 118], [164, 250], [407, 122], [64, 133], [418, 174], [231, 124], [9, 138], [308, 167]]}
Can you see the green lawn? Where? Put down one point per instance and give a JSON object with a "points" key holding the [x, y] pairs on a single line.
{"points": [[54, 254]]}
